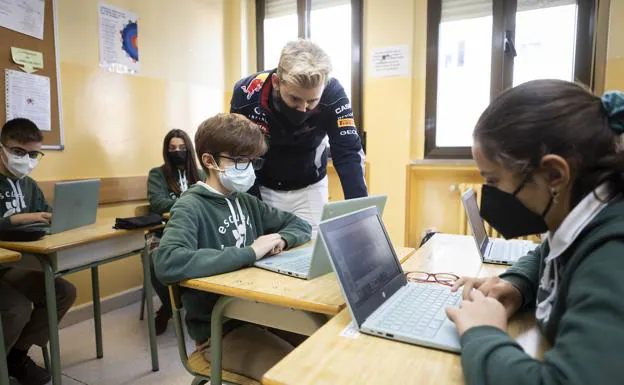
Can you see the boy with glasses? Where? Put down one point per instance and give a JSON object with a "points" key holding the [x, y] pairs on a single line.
{"points": [[216, 227], [22, 292]]}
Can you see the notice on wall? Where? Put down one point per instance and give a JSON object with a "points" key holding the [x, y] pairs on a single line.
{"points": [[23, 16], [390, 61], [29, 61], [119, 44], [28, 96]]}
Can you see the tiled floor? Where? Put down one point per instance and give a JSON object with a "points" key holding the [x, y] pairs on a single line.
{"points": [[126, 354]]}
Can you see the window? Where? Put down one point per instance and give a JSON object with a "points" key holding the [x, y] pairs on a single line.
{"points": [[336, 25], [478, 48]]}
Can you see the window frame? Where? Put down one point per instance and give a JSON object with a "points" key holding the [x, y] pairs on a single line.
{"points": [[304, 10], [504, 19]]}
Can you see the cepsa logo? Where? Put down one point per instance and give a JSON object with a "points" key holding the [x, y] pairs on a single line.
{"points": [[343, 108]]}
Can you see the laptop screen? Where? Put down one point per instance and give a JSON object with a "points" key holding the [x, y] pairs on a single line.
{"points": [[363, 258], [469, 199]]}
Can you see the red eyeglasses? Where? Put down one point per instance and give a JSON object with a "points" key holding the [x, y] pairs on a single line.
{"points": [[447, 279]]}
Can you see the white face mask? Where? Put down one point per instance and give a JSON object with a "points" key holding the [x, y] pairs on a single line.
{"points": [[19, 166], [237, 180]]}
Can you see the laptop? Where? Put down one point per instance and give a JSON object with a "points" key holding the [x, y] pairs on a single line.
{"points": [[492, 250], [382, 302], [75, 205], [311, 261]]}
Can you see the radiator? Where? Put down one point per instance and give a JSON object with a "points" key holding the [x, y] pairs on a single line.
{"points": [[464, 226]]}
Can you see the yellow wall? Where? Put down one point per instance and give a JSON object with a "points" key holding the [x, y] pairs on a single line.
{"points": [[394, 107], [114, 124], [615, 52]]}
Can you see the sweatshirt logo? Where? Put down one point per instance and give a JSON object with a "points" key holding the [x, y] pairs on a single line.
{"points": [[13, 200], [238, 233]]}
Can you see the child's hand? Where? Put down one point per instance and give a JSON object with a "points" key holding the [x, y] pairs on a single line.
{"points": [[478, 310], [265, 244], [27, 218], [493, 287], [279, 248]]}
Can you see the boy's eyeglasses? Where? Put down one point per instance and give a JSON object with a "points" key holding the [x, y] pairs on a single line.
{"points": [[242, 163], [18, 151], [446, 279]]}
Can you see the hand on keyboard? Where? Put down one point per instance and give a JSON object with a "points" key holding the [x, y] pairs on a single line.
{"points": [[263, 245], [493, 287], [279, 248], [477, 310]]}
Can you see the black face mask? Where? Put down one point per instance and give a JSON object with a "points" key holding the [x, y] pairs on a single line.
{"points": [[178, 157], [507, 215], [293, 115]]}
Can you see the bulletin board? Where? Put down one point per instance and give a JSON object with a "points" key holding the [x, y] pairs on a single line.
{"points": [[53, 139]]}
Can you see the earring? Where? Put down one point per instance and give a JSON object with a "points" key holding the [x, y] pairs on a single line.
{"points": [[554, 194]]}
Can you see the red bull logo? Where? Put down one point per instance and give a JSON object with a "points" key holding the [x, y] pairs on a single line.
{"points": [[254, 86]]}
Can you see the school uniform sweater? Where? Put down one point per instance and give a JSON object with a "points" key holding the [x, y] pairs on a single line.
{"points": [[160, 197], [575, 280], [209, 234]]}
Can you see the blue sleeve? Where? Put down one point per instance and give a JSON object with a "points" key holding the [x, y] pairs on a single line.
{"points": [[346, 146]]}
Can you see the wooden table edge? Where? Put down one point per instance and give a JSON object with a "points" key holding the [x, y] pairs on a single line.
{"points": [[9, 256], [31, 247]]}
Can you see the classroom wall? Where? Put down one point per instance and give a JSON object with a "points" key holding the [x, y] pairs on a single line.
{"points": [[394, 106], [615, 52], [114, 124]]}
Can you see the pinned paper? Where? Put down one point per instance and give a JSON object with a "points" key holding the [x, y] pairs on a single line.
{"points": [[30, 61]]}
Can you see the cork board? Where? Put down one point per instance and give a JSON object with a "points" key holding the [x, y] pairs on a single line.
{"points": [[53, 139]]}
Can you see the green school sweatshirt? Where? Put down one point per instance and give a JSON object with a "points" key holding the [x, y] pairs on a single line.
{"points": [[586, 323], [201, 239], [161, 199], [19, 196]]}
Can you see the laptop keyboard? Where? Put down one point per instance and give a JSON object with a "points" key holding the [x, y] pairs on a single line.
{"points": [[419, 312], [509, 251], [297, 265]]}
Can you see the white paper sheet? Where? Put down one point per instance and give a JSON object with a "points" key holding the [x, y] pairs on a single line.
{"points": [[28, 96], [390, 61], [23, 16], [119, 51]]}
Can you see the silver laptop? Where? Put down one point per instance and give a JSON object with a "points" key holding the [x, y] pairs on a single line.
{"points": [[312, 261], [492, 250], [382, 302]]}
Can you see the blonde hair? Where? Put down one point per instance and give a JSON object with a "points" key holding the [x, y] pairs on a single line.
{"points": [[304, 64]]}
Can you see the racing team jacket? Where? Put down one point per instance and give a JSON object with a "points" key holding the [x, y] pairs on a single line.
{"points": [[297, 155]]}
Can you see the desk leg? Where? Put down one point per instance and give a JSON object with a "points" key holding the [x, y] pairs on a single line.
{"points": [[55, 349], [4, 371], [216, 337], [97, 311], [149, 301]]}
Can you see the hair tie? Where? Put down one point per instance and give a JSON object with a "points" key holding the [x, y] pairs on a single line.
{"points": [[613, 102]]}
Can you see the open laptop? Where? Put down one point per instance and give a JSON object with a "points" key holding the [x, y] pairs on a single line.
{"points": [[382, 302], [492, 250], [312, 261], [75, 205]]}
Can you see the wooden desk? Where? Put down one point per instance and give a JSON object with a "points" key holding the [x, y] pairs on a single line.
{"points": [[283, 297], [6, 256], [319, 295], [79, 249], [329, 358]]}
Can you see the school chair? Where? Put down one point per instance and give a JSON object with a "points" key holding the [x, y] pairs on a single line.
{"points": [[138, 212], [196, 364]]}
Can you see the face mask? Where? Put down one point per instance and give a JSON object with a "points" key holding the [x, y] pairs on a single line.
{"points": [[19, 166], [178, 157], [237, 180], [293, 115], [505, 213]]}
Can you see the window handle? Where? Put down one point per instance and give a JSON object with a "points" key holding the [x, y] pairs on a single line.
{"points": [[510, 46]]}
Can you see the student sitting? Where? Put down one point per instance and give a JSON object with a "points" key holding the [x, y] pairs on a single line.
{"points": [[550, 152], [164, 186], [216, 227], [22, 292]]}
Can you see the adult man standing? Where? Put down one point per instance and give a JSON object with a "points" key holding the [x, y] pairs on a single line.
{"points": [[303, 112]]}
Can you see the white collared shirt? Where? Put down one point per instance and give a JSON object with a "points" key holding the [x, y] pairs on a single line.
{"points": [[573, 224]]}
